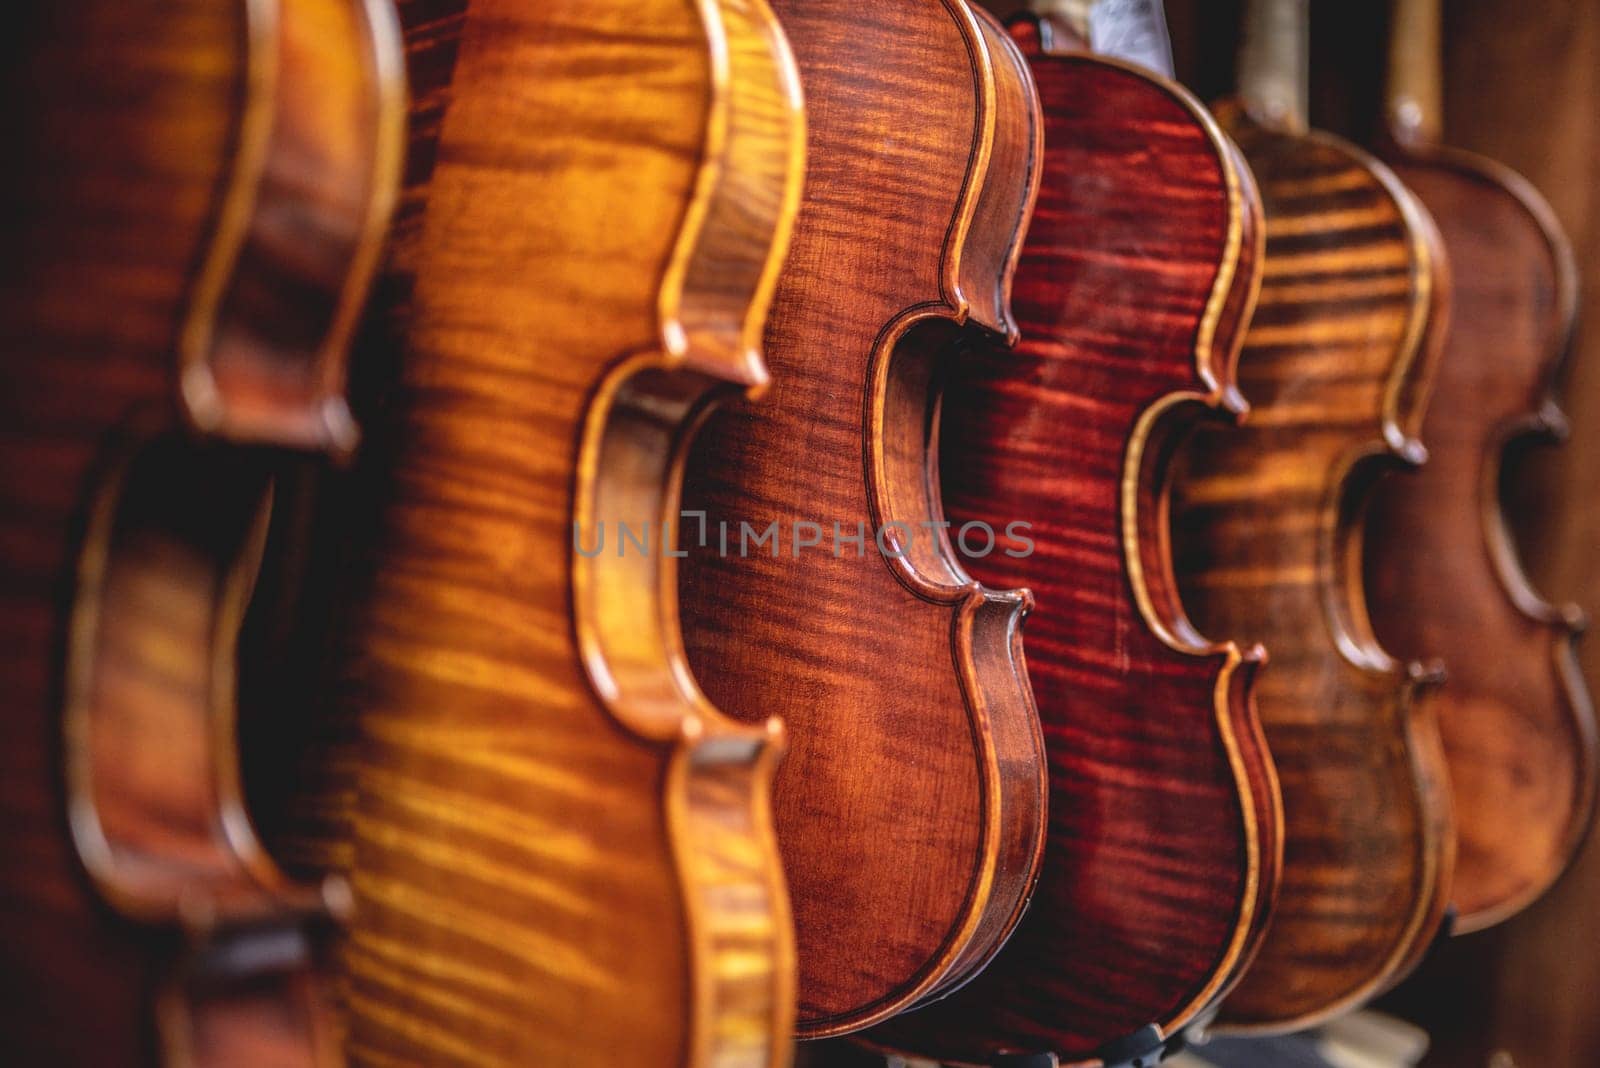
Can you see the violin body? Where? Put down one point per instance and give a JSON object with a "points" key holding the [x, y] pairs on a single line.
{"points": [[1517, 721], [910, 808], [560, 852], [188, 242], [1336, 367], [1135, 283]]}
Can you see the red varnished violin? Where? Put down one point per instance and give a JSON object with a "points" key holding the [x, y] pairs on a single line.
{"points": [[1137, 276]]}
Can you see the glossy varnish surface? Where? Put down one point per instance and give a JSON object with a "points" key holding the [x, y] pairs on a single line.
{"points": [[1518, 724], [299, 770], [910, 807], [561, 854], [1136, 278], [1335, 367], [185, 246]]}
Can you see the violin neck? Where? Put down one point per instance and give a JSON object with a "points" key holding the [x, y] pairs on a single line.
{"points": [[1275, 63], [1132, 30], [1415, 101]]}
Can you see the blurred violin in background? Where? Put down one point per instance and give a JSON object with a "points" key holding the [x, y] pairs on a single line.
{"points": [[1517, 721], [193, 218]]}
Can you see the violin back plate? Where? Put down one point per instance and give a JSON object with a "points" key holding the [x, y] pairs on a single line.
{"points": [[1135, 280], [1517, 720], [910, 807], [1335, 366]]}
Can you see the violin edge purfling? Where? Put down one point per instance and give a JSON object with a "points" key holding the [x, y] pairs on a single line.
{"points": [[712, 307]]}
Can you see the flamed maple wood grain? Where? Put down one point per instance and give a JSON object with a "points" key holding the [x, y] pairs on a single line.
{"points": [[1517, 721], [300, 775], [1136, 278], [561, 854], [910, 808], [1336, 366], [187, 238]]}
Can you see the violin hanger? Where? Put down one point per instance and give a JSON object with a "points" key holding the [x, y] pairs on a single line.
{"points": [[1073, 13], [1275, 64], [1414, 103]]}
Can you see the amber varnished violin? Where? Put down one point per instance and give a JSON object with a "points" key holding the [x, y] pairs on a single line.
{"points": [[560, 852], [1336, 366]]}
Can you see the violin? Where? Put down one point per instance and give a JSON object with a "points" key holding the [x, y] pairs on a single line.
{"points": [[1336, 366], [560, 852], [1135, 283], [1517, 720], [820, 585], [190, 238]]}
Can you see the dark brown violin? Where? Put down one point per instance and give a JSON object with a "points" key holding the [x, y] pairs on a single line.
{"points": [[1518, 724], [190, 233], [819, 586], [1336, 366], [1136, 279], [561, 853]]}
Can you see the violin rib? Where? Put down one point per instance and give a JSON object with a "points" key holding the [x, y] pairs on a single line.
{"points": [[1135, 281], [1336, 366], [1516, 717], [910, 809], [561, 853]]}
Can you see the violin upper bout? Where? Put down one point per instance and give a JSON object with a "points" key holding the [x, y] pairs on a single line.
{"points": [[1339, 219], [1427, 329], [1409, 386], [1010, 186], [311, 186], [736, 235]]}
